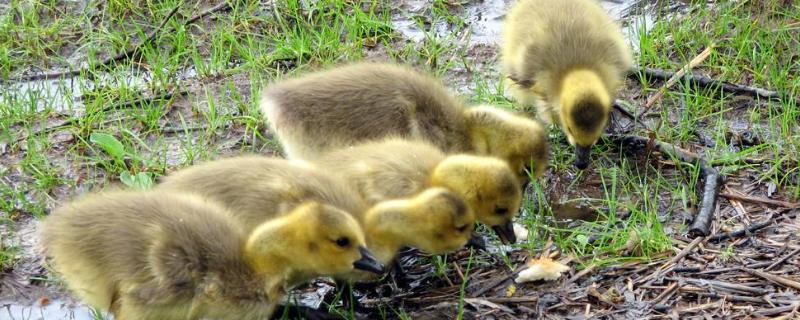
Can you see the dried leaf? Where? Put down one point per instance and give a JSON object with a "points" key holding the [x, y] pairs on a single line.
{"points": [[542, 268]]}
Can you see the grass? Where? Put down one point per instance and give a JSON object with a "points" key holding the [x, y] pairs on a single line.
{"points": [[54, 146]]}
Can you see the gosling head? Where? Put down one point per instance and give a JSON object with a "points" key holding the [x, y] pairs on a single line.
{"points": [[585, 105], [520, 141], [313, 237], [436, 221], [489, 187]]}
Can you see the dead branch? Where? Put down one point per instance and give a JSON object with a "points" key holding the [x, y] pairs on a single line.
{"points": [[672, 262], [782, 259], [773, 278], [580, 274], [620, 106], [722, 285], [741, 232], [697, 60], [702, 221], [778, 310], [776, 203], [709, 83]]}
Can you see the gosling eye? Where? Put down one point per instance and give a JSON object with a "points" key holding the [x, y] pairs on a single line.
{"points": [[343, 242], [462, 228], [500, 211]]}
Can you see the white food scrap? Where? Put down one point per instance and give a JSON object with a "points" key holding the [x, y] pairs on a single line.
{"points": [[542, 268]]}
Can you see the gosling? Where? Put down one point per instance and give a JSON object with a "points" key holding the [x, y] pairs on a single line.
{"points": [[436, 221], [256, 188], [259, 188], [163, 255], [361, 102], [396, 168], [570, 55]]}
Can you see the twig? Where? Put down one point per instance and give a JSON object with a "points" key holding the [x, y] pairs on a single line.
{"points": [[721, 270], [619, 105], [752, 199], [677, 258], [778, 310], [708, 82], [729, 297], [183, 129], [222, 6], [499, 281], [671, 262], [722, 285], [741, 232], [773, 278], [511, 299], [699, 307], [675, 77], [580, 274], [702, 221], [664, 294], [782, 259]]}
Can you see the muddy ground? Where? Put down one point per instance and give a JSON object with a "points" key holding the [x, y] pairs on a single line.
{"points": [[749, 275]]}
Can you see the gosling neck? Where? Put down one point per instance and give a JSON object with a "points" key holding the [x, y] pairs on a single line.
{"points": [[263, 251], [478, 137], [384, 235], [579, 84]]}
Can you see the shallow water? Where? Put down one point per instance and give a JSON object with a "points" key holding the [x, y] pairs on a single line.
{"points": [[53, 310], [485, 18]]}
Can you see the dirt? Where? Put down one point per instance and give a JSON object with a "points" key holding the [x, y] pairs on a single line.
{"points": [[625, 291]]}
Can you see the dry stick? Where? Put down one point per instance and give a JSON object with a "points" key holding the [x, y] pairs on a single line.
{"points": [[741, 232], [222, 6], [580, 274], [773, 278], [511, 299], [721, 270], [750, 229], [782, 259], [702, 221], [671, 262], [707, 82], [664, 294], [752, 199], [778, 310], [619, 105], [728, 297], [675, 77], [122, 56], [723, 285]]}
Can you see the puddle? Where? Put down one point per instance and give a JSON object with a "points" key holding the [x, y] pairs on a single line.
{"points": [[485, 18], [64, 95], [56, 309]]}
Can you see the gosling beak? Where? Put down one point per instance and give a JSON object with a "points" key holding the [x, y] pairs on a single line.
{"points": [[582, 156], [476, 242], [506, 232], [368, 262]]}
